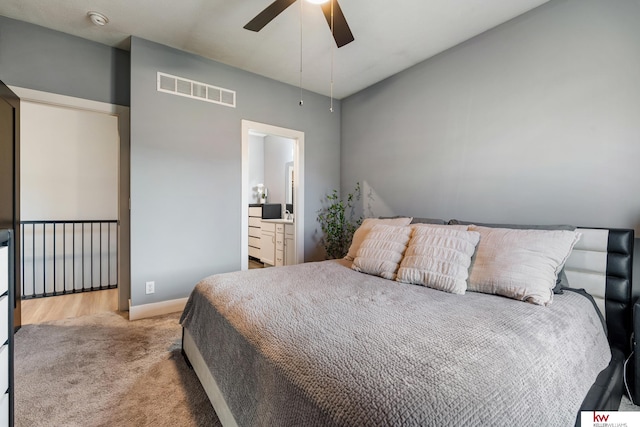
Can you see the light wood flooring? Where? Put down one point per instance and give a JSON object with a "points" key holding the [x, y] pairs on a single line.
{"points": [[253, 263], [40, 310]]}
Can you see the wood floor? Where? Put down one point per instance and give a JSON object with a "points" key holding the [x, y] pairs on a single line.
{"points": [[40, 310], [253, 263]]}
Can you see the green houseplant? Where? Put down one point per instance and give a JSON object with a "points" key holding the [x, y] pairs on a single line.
{"points": [[338, 222]]}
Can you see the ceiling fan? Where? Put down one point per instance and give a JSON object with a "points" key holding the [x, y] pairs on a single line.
{"points": [[341, 32]]}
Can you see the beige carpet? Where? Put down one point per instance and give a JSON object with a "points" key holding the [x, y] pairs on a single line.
{"points": [[103, 370]]}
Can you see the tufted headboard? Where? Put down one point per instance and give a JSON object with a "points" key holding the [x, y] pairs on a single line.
{"points": [[602, 264]]}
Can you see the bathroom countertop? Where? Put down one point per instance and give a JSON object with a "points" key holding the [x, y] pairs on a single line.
{"points": [[279, 221]]}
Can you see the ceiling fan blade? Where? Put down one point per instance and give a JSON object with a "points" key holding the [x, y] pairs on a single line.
{"points": [[267, 15], [341, 31]]}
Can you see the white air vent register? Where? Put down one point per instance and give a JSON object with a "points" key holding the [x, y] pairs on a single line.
{"points": [[196, 90]]}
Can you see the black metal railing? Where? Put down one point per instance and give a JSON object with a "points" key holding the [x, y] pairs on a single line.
{"points": [[63, 257]]}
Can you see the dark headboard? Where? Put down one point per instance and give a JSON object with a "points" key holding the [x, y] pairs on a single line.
{"points": [[602, 263], [619, 288]]}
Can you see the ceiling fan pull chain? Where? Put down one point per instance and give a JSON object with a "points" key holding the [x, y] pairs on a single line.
{"points": [[332, 34], [301, 16]]}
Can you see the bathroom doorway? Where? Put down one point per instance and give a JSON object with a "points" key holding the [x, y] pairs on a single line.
{"points": [[289, 191]]}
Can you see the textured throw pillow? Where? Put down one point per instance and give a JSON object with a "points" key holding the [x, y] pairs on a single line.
{"points": [[365, 227], [381, 251], [561, 280], [439, 257], [520, 264]]}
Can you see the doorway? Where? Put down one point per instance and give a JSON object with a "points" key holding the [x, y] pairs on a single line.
{"points": [[296, 196], [116, 234]]}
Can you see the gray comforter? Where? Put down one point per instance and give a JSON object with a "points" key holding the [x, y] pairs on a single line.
{"points": [[320, 344]]}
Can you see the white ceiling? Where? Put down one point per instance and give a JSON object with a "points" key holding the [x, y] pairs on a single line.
{"points": [[389, 36]]}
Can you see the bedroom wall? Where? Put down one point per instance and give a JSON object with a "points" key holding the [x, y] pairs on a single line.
{"points": [[256, 167], [37, 58], [68, 163], [534, 121], [186, 167]]}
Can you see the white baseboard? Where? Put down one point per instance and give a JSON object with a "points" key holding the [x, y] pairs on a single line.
{"points": [[143, 311]]}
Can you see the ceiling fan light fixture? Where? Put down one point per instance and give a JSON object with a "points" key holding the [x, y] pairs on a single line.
{"points": [[317, 1]]}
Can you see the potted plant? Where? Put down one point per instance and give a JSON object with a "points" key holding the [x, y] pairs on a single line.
{"points": [[338, 222]]}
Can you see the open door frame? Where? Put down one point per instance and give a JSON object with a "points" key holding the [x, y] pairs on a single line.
{"points": [[124, 234], [298, 193]]}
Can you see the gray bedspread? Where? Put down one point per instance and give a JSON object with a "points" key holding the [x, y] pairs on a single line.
{"points": [[318, 344]]}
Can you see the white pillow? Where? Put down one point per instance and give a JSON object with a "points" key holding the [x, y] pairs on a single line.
{"points": [[520, 264], [381, 251], [439, 258], [365, 227]]}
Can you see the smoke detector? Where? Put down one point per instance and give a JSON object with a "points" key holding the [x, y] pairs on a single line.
{"points": [[98, 18]]}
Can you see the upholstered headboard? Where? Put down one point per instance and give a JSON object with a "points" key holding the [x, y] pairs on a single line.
{"points": [[602, 264]]}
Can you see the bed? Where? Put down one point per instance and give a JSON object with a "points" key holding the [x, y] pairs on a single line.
{"points": [[322, 344]]}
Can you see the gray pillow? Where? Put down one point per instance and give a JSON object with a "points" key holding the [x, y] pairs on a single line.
{"points": [[418, 220], [428, 221], [561, 280], [515, 226]]}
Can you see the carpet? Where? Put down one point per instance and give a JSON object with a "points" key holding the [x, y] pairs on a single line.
{"points": [[103, 370]]}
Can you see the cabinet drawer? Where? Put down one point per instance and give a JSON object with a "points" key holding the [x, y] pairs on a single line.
{"points": [[4, 410], [279, 228], [255, 222], [4, 315], [4, 368], [255, 211], [255, 232], [254, 241], [268, 226], [254, 252], [4, 269], [289, 229], [279, 258], [279, 241]]}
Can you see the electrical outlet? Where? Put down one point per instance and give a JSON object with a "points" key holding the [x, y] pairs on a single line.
{"points": [[150, 287]]}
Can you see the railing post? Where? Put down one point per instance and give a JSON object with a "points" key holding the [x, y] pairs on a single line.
{"points": [[44, 259], [64, 257]]}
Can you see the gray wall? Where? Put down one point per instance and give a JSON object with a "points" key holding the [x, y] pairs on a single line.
{"points": [[186, 167], [256, 166], [38, 58], [535, 121], [277, 153]]}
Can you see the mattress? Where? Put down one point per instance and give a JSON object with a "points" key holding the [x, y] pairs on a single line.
{"points": [[320, 344]]}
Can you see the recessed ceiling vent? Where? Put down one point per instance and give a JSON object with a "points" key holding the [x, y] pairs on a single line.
{"points": [[196, 90]]}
